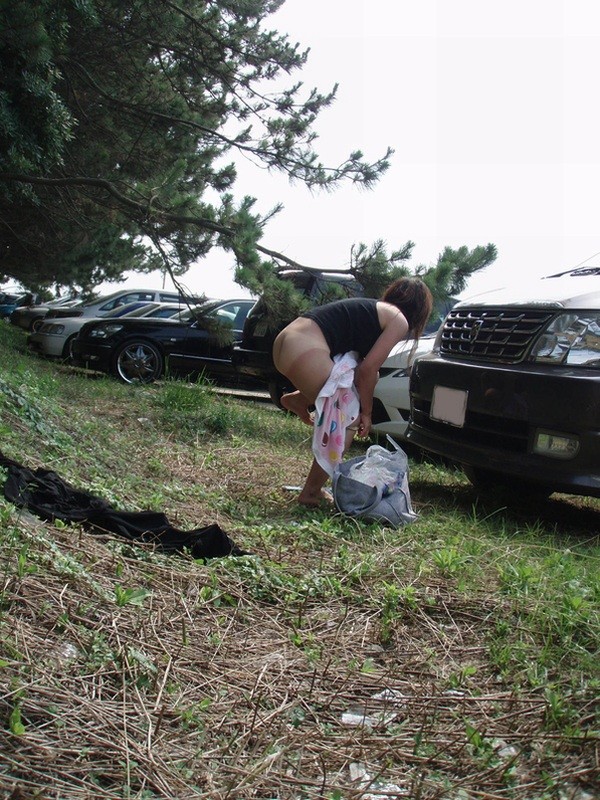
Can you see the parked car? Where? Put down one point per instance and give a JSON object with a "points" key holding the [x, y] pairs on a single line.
{"points": [[391, 398], [10, 301], [252, 356], [30, 317], [104, 305], [142, 350], [55, 336], [512, 388]]}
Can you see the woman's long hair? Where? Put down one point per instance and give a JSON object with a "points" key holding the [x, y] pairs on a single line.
{"points": [[415, 301]]}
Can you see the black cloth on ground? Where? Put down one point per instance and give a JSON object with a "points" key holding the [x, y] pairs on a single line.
{"points": [[48, 496]]}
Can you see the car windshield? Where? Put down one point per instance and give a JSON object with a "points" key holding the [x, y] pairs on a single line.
{"points": [[196, 312], [576, 273], [129, 308], [164, 312]]}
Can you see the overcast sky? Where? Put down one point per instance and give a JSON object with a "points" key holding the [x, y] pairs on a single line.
{"points": [[492, 110]]}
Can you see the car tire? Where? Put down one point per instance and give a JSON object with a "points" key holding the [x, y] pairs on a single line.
{"points": [[67, 354], [277, 388], [486, 481], [138, 361]]}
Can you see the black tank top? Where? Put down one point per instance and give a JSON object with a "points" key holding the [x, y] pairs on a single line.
{"points": [[350, 324]]}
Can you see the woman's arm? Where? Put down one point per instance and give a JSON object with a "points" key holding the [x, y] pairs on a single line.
{"points": [[394, 329]]}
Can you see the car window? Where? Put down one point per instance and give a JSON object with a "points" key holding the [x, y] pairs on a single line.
{"points": [[301, 280], [188, 314], [112, 304], [329, 289], [122, 311], [224, 315], [127, 298], [163, 313], [233, 314]]}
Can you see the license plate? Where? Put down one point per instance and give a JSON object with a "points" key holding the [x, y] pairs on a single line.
{"points": [[449, 405]]}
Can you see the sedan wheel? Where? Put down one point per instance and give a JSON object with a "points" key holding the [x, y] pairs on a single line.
{"points": [[67, 352], [138, 362]]}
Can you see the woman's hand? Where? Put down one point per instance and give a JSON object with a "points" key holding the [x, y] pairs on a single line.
{"points": [[364, 425]]}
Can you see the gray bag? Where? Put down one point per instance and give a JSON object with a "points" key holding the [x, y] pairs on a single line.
{"points": [[382, 493]]}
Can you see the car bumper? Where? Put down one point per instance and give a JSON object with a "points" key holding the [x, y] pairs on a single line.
{"points": [[391, 404], [256, 363], [20, 320], [47, 345], [91, 355], [507, 410]]}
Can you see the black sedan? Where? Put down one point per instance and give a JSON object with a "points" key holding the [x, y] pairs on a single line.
{"points": [[141, 350]]}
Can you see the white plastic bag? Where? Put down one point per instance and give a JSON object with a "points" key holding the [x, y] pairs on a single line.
{"points": [[376, 470]]}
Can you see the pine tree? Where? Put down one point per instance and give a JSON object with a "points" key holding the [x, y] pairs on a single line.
{"points": [[117, 123]]}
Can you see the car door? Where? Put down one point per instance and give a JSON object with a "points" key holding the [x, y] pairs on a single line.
{"points": [[206, 344]]}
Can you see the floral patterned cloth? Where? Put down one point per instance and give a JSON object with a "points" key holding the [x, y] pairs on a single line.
{"points": [[336, 407]]}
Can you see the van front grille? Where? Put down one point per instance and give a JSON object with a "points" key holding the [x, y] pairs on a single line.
{"points": [[492, 334]]}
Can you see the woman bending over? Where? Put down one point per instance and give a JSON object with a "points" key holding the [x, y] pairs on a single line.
{"points": [[304, 352]]}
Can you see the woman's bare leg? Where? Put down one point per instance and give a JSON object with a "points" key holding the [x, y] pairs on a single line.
{"points": [[301, 354], [349, 437], [298, 404], [312, 492]]}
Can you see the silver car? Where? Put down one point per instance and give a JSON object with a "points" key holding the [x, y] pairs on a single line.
{"points": [[109, 303], [55, 336], [31, 317]]}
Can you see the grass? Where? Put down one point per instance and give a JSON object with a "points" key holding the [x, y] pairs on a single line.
{"points": [[456, 657]]}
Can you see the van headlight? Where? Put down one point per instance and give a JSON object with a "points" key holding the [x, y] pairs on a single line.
{"points": [[572, 339], [104, 331]]}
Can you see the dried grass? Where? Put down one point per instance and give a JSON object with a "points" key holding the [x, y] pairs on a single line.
{"points": [[209, 689], [193, 698]]}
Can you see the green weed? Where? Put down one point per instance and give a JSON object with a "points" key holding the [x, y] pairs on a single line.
{"points": [[132, 597], [15, 723], [449, 560], [486, 619]]}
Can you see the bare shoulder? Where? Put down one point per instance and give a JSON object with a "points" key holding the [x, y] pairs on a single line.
{"points": [[390, 315]]}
